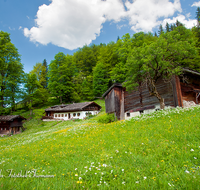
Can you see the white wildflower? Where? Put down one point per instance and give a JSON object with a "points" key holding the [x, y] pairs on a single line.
{"points": [[137, 182], [169, 184], [122, 170], [186, 171], [123, 182], [75, 168], [111, 171], [195, 158], [80, 178], [145, 177]]}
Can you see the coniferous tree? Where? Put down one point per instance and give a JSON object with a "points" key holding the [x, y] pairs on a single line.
{"points": [[160, 29], [44, 72], [198, 16], [167, 27], [178, 23], [172, 27]]}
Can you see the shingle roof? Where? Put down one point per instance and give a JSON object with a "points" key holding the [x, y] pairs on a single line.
{"points": [[10, 117], [71, 107]]}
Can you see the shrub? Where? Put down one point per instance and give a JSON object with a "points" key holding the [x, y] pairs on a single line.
{"points": [[107, 118]]}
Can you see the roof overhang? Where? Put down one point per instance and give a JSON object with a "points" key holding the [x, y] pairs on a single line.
{"points": [[190, 71], [114, 85]]}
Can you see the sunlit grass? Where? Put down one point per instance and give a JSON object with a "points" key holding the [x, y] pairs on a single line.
{"points": [[158, 151]]}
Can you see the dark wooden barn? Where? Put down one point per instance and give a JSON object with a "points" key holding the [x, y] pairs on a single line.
{"points": [[11, 124], [175, 92]]}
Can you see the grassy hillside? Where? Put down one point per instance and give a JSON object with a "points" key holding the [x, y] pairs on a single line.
{"points": [[158, 151]]}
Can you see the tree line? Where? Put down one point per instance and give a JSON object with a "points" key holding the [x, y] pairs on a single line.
{"points": [[89, 72]]}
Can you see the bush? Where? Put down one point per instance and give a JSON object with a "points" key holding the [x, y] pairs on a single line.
{"points": [[107, 118]]}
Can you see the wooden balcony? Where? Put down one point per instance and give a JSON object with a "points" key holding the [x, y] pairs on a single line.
{"points": [[47, 117]]}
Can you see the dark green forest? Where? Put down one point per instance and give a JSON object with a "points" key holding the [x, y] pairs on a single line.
{"points": [[89, 72]]}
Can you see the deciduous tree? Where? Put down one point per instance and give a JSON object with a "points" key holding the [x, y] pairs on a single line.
{"points": [[160, 59], [11, 71]]}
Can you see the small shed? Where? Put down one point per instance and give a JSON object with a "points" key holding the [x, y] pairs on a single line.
{"points": [[11, 124], [175, 92], [72, 111]]}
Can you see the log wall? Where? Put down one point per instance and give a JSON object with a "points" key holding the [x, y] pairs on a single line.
{"points": [[141, 97]]}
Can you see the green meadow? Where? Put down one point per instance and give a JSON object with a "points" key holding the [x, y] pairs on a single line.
{"points": [[157, 151]]}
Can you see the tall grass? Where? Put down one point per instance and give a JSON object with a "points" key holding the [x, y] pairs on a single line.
{"points": [[157, 151]]}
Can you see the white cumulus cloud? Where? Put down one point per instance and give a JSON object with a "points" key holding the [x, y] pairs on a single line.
{"points": [[189, 23], [196, 4], [144, 15], [73, 23]]}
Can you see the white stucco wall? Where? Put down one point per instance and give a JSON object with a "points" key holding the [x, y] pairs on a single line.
{"points": [[137, 113], [81, 116]]}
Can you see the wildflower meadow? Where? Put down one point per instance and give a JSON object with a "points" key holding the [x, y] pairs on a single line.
{"points": [[156, 151]]}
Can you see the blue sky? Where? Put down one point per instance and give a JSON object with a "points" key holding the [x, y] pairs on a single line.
{"points": [[41, 28]]}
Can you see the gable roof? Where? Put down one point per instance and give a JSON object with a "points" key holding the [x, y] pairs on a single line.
{"points": [[116, 84], [10, 117], [71, 107]]}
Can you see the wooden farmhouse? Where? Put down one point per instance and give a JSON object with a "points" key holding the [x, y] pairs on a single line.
{"points": [[11, 124], [176, 92], [72, 111]]}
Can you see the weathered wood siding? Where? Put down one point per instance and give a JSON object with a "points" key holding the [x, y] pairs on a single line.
{"points": [[16, 123], [110, 102], [118, 98], [4, 127], [92, 107], [141, 97]]}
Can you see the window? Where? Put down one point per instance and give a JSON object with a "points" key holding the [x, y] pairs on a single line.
{"points": [[78, 114], [55, 115], [74, 114], [142, 111], [65, 115], [58, 115], [88, 113], [62, 115], [128, 114]]}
